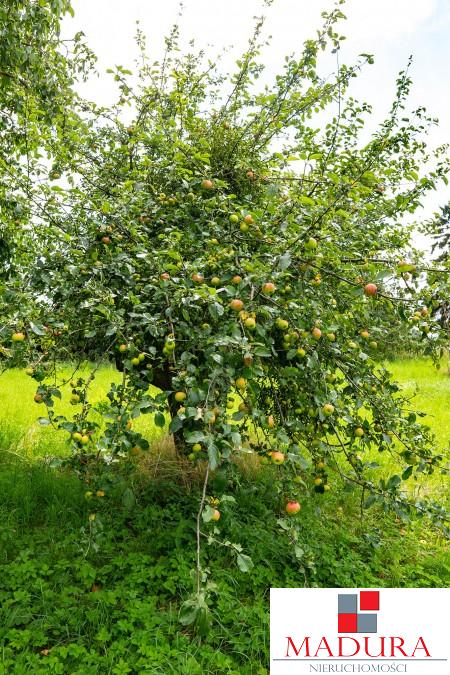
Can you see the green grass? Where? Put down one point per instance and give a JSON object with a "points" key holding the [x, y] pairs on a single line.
{"points": [[66, 607], [103, 597], [20, 430], [432, 393]]}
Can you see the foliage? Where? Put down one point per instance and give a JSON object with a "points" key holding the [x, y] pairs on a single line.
{"points": [[438, 229], [441, 233], [64, 608], [247, 265]]}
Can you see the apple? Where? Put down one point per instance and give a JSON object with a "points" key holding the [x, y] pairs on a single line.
{"points": [[270, 422], [331, 337], [236, 280], [250, 175], [29, 371], [234, 218], [301, 352], [106, 240], [328, 409], [74, 399], [196, 447], [197, 278], [210, 417], [85, 439], [250, 323], [320, 465], [236, 305], [135, 450], [268, 288], [248, 359], [370, 289], [277, 457], [292, 508], [318, 481], [359, 431], [207, 184], [241, 383], [282, 324], [326, 488], [123, 348], [38, 398], [248, 219], [311, 244], [215, 281], [316, 333], [100, 493], [365, 334], [243, 227], [216, 515], [18, 337], [165, 276], [77, 436], [373, 344], [135, 361], [169, 346], [180, 396]]}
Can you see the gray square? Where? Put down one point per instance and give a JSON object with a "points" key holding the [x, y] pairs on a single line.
{"points": [[367, 623], [347, 604]]}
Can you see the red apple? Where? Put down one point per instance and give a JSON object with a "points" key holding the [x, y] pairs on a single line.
{"points": [[370, 289], [292, 508], [268, 288], [236, 305]]}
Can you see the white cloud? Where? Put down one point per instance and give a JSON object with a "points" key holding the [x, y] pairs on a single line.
{"points": [[384, 20]]}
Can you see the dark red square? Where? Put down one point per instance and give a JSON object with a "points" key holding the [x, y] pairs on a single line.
{"points": [[347, 623], [369, 600]]}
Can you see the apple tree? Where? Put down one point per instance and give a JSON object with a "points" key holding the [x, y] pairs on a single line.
{"points": [[247, 261]]}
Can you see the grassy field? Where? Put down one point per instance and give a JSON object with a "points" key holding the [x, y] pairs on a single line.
{"points": [[93, 598], [20, 431]]}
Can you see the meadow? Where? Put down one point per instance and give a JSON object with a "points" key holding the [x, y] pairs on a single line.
{"points": [[99, 597]]}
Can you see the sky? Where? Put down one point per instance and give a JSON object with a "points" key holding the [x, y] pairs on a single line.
{"points": [[391, 30]]}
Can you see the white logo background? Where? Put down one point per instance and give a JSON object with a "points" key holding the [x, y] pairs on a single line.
{"points": [[409, 613]]}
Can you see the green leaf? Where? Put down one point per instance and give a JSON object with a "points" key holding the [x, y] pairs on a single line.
{"points": [[244, 562], [407, 473], [188, 612], [37, 328], [160, 420], [175, 424], [128, 498], [284, 261], [208, 513], [195, 437]]}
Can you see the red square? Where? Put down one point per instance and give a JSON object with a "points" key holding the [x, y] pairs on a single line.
{"points": [[369, 600], [347, 623]]}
